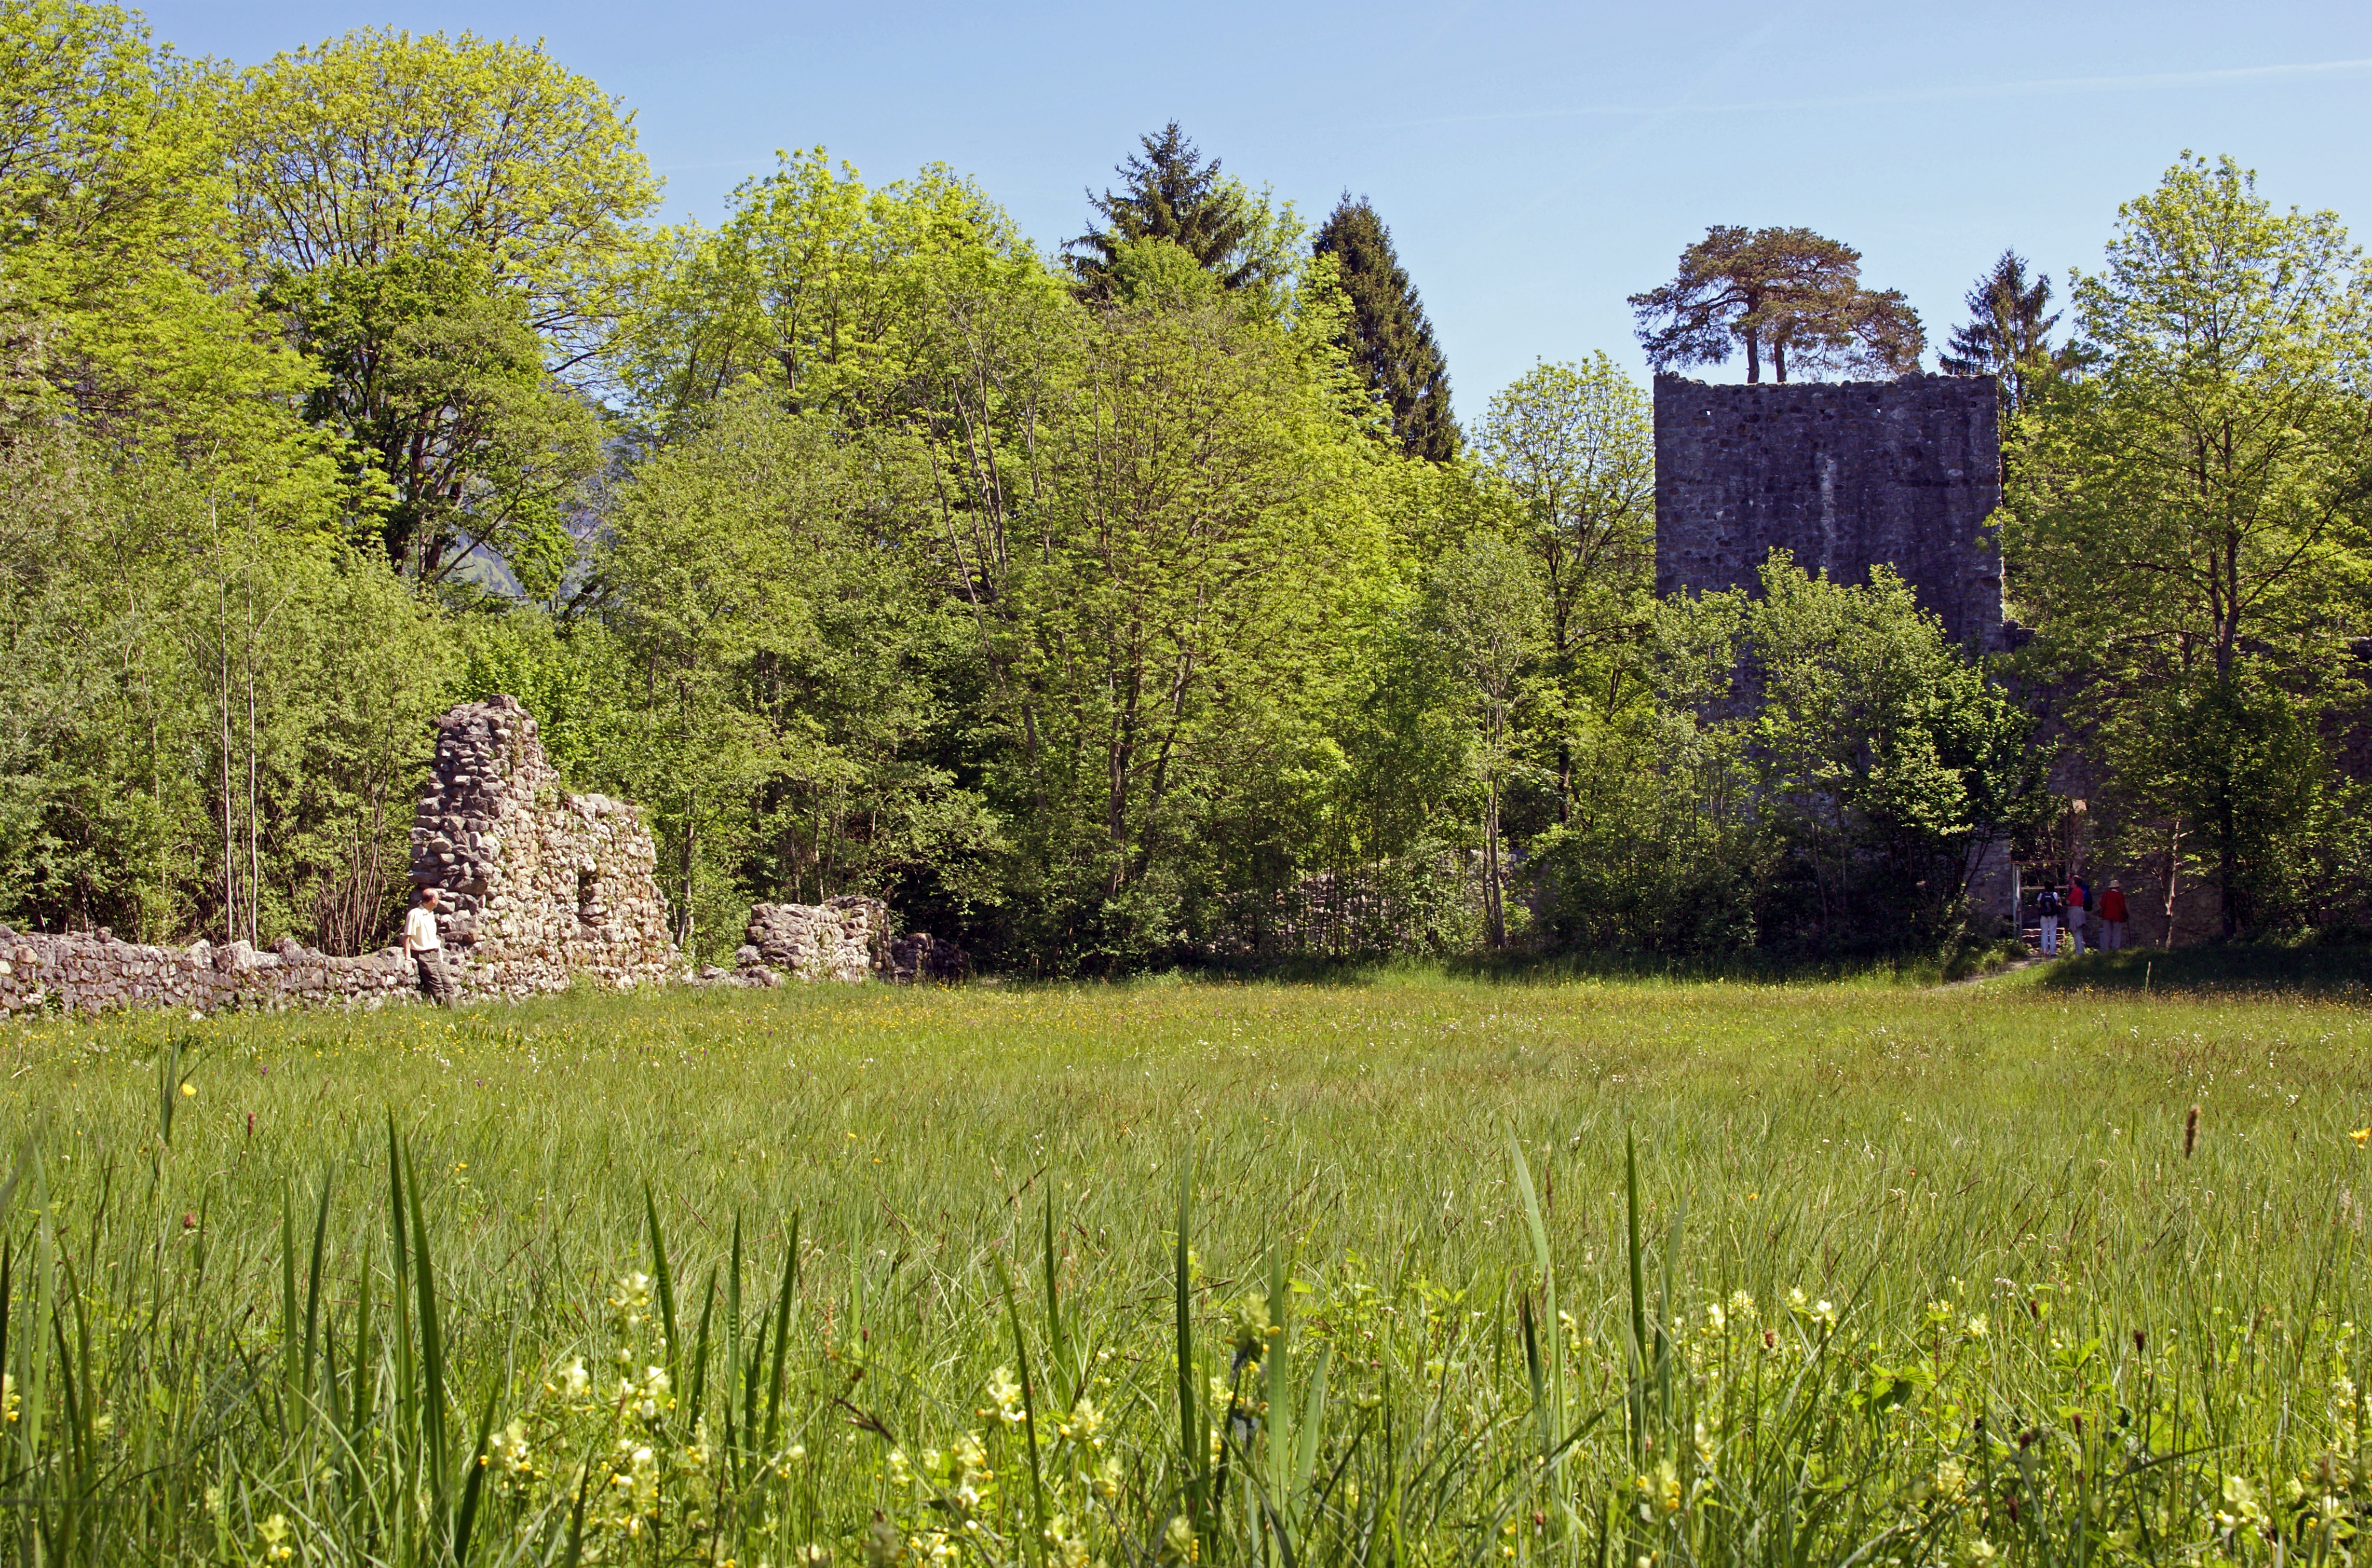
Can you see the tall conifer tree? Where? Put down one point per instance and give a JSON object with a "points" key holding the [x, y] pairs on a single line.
{"points": [[1389, 338], [1170, 191]]}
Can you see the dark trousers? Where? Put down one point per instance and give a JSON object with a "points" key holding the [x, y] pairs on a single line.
{"points": [[435, 979]]}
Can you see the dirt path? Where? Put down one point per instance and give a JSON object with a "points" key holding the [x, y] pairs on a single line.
{"points": [[1991, 974]]}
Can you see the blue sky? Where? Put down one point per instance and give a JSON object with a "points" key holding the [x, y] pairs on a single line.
{"points": [[1536, 164]]}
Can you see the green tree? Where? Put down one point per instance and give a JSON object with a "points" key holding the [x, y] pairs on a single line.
{"points": [[1390, 342], [2007, 335], [113, 249], [1574, 447], [1780, 291], [2189, 524], [1885, 761], [1483, 610], [439, 222], [1170, 191]]}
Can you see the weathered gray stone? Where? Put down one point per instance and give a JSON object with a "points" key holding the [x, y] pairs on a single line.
{"points": [[1844, 475]]}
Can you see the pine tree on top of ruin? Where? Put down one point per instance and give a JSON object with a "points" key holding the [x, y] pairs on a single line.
{"points": [[1785, 292], [2008, 334], [1390, 342]]}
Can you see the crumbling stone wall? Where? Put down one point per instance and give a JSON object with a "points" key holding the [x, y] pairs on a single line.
{"points": [[844, 938], [540, 884], [94, 974], [832, 940], [1844, 475]]}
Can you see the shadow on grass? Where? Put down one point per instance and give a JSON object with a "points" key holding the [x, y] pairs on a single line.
{"points": [[1582, 968], [2318, 967]]}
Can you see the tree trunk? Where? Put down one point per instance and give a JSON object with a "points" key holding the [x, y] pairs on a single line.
{"points": [[254, 850], [1494, 913]]}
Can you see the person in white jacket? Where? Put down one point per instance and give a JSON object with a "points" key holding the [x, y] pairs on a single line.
{"points": [[425, 948]]}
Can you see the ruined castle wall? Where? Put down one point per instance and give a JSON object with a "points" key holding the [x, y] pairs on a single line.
{"points": [[1842, 474], [96, 974], [539, 885]]}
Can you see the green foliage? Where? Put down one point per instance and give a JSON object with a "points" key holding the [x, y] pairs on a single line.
{"points": [[2190, 524], [1390, 342], [1784, 291], [1170, 192], [437, 223], [1826, 773]]}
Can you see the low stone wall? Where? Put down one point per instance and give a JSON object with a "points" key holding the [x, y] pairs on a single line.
{"points": [[844, 939], [832, 940], [92, 974]]}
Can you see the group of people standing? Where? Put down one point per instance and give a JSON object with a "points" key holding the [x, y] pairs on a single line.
{"points": [[2077, 907]]}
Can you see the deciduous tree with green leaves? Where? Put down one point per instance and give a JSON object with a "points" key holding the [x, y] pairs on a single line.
{"points": [[1572, 447], [440, 223], [2189, 525]]}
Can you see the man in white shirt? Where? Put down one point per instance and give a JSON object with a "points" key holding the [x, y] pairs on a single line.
{"points": [[424, 947]]}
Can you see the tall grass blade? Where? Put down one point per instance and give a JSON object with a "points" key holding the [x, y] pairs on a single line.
{"points": [[1058, 1354], [1194, 1446], [313, 1280], [1029, 1411], [782, 1334], [1639, 1397], [699, 1349], [465, 1518], [432, 1348], [665, 1278]]}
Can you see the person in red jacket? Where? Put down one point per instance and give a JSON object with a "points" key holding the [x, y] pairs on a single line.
{"points": [[2113, 918]]}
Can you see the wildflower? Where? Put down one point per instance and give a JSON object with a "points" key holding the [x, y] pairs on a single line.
{"points": [[1108, 1479], [899, 1475], [1982, 1551], [1180, 1539], [1004, 1396], [573, 1378], [187, 1090], [633, 1300], [1975, 1326], [2241, 1506], [1715, 1321], [653, 1389], [1085, 1424], [2360, 1135], [1951, 1481], [508, 1449], [1660, 1490], [1741, 1307], [814, 1556], [274, 1531], [1797, 1303], [8, 1397]]}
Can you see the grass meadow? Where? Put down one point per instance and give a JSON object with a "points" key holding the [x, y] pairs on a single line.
{"points": [[1401, 1268]]}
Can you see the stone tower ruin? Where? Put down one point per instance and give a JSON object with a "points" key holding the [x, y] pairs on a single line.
{"points": [[1844, 475], [539, 884]]}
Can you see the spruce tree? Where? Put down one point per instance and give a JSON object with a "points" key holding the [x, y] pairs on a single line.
{"points": [[1390, 340], [1171, 192], [2008, 334]]}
